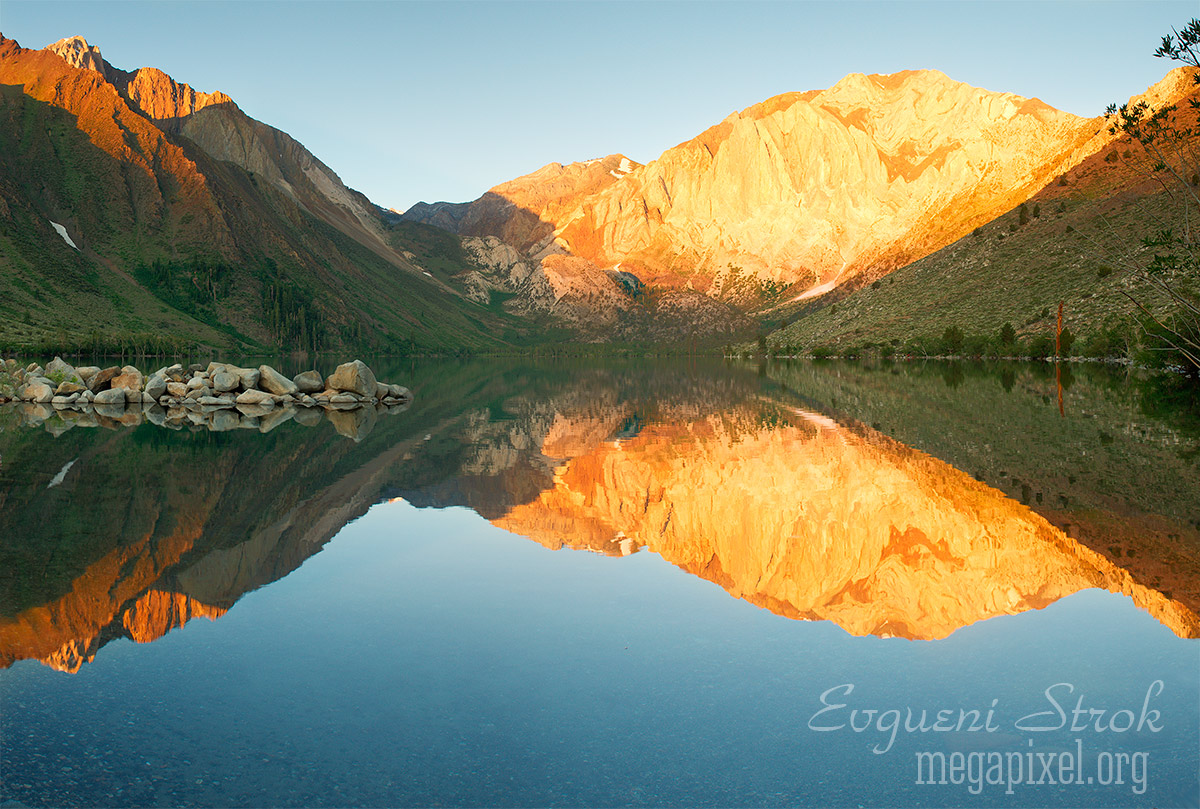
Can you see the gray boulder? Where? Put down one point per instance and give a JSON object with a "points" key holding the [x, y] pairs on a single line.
{"points": [[249, 377], [110, 397], [353, 377], [223, 381], [256, 397], [156, 385], [59, 366], [309, 382], [272, 381]]}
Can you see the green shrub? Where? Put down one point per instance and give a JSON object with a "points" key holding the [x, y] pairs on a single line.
{"points": [[1040, 347], [1066, 340], [952, 340]]}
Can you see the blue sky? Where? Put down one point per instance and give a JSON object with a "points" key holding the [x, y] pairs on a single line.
{"points": [[413, 101]]}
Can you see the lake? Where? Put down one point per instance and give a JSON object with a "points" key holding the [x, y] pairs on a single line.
{"points": [[586, 583]]}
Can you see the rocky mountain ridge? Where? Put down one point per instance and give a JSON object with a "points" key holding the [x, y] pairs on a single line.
{"points": [[800, 194], [160, 215]]}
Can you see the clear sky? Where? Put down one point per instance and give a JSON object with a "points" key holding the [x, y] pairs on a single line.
{"points": [[411, 101]]}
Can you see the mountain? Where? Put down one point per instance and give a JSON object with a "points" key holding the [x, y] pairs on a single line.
{"points": [[137, 210], [1077, 240], [521, 212], [805, 190]]}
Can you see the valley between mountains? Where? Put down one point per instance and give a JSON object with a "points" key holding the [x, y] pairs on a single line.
{"points": [[138, 213]]}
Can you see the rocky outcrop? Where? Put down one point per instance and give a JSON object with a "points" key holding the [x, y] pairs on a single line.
{"points": [[218, 396]]}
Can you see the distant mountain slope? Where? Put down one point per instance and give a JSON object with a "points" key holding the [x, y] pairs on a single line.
{"points": [[189, 221], [812, 189], [522, 212], [805, 190], [1075, 243]]}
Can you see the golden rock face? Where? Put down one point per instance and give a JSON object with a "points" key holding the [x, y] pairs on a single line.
{"points": [[813, 187], [816, 521], [809, 189]]}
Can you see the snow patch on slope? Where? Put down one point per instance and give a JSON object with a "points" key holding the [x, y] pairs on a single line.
{"points": [[63, 232]]}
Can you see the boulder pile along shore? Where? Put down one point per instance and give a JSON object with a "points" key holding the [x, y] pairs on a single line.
{"points": [[218, 396]]}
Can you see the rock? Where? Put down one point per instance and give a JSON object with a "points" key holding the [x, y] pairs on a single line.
{"points": [[355, 424], [130, 378], [223, 381], [86, 373], [132, 395], [35, 392], [272, 381], [197, 382], [156, 385], [59, 366], [101, 379], [216, 401], [401, 392], [249, 377], [256, 397], [110, 397], [67, 388], [352, 377], [344, 398], [309, 382], [64, 401], [382, 389], [194, 367], [177, 389], [198, 393]]}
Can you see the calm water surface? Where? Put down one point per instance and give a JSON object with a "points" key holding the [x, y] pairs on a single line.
{"points": [[674, 584]]}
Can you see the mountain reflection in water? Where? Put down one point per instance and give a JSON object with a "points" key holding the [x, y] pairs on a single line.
{"points": [[726, 474]]}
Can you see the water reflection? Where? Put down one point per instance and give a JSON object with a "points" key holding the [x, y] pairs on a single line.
{"points": [[761, 484]]}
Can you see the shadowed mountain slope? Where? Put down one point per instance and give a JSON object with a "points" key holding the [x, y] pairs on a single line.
{"points": [[184, 219]]}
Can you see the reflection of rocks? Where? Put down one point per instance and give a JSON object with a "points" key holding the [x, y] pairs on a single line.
{"points": [[198, 396]]}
